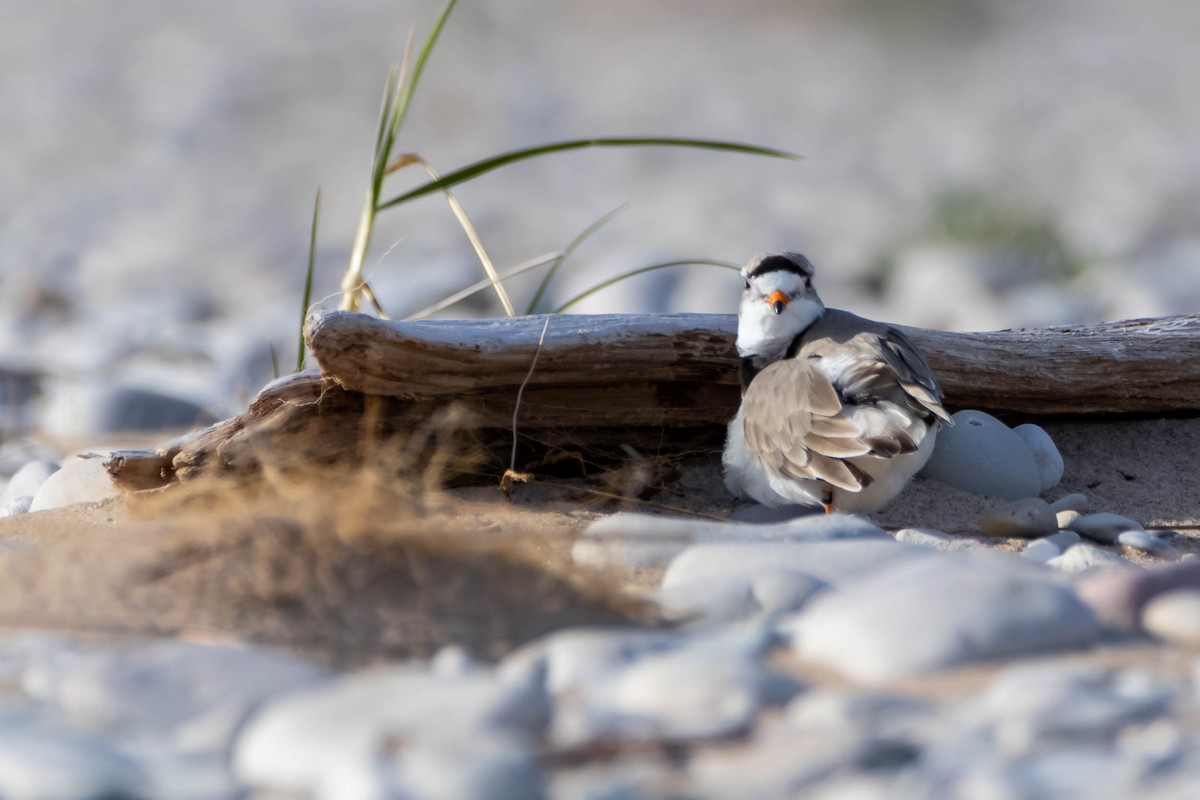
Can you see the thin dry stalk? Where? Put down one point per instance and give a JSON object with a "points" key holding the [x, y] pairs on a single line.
{"points": [[511, 475], [465, 223]]}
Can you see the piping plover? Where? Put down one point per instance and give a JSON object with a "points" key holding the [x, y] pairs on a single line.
{"points": [[837, 410]]}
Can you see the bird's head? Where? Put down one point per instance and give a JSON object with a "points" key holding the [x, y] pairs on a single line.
{"points": [[778, 302]]}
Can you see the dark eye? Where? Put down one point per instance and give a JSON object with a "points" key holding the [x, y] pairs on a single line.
{"points": [[747, 286]]}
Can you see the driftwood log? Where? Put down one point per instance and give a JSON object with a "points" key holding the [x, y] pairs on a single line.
{"points": [[661, 384]]}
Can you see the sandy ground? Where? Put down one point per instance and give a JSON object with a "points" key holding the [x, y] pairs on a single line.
{"points": [[350, 570]]}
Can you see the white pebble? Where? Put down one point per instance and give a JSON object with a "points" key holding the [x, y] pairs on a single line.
{"points": [[1065, 518], [1070, 502], [937, 540], [26, 480], [1103, 527], [83, 480], [1174, 616], [1040, 551], [1084, 557], [1029, 516], [1143, 541]]}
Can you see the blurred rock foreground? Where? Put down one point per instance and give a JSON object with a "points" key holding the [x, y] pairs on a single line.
{"points": [[968, 165]]}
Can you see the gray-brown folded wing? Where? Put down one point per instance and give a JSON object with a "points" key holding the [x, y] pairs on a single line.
{"points": [[796, 426]]}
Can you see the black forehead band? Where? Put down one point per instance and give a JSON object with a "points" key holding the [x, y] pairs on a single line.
{"points": [[798, 265]]}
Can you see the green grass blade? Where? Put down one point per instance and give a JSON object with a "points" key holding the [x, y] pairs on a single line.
{"points": [[566, 253], [703, 262], [308, 280], [495, 162]]}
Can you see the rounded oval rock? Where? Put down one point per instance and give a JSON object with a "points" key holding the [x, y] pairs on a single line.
{"points": [[981, 454]]}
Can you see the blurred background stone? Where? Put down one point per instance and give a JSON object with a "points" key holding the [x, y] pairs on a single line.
{"points": [[967, 165]]}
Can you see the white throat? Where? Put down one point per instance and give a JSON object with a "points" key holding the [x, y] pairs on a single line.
{"points": [[763, 333]]}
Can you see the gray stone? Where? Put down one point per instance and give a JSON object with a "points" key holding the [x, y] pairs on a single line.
{"points": [[857, 712], [649, 540], [1084, 557], [1028, 517], [191, 695], [1103, 527], [570, 659], [831, 562], [1045, 454], [1174, 617], [930, 614], [691, 694], [924, 537], [1146, 543], [479, 768], [784, 590], [711, 686], [1064, 539], [82, 480], [981, 454], [295, 743], [1041, 550], [48, 763], [26, 480], [1070, 502], [1030, 704]]}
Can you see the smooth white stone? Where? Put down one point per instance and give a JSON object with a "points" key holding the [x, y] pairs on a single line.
{"points": [[480, 768], [295, 742], [1070, 502], [784, 590], [857, 711], [1040, 551], [38, 762], [832, 562], [1103, 527], [82, 480], [1083, 557], [937, 540], [1064, 539], [649, 540], [981, 454], [930, 614], [689, 694], [1146, 543], [1029, 516], [740, 594], [1065, 518], [1045, 454], [1030, 704], [198, 692], [1174, 617], [712, 686], [575, 657], [26, 480]]}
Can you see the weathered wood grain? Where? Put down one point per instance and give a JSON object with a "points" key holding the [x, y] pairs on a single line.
{"points": [[1137, 366]]}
